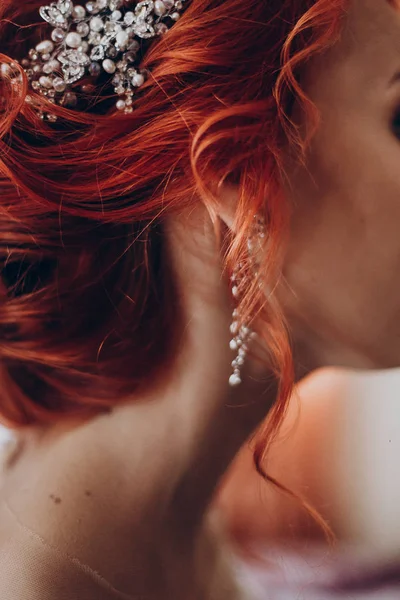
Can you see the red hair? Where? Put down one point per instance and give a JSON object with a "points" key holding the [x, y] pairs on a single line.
{"points": [[87, 297]]}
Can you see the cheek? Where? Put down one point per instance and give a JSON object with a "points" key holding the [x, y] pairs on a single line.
{"points": [[344, 248]]}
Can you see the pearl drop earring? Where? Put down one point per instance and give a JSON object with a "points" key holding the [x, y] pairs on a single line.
{"points": [[242, 333]]}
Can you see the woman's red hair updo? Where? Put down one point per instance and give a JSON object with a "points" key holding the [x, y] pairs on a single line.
{"points": [[88, 305]]}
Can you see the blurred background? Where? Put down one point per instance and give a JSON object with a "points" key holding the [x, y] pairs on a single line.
{"points": [[339, 450]]}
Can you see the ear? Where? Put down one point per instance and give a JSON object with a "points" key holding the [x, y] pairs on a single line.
{"points": [[227, 209]]}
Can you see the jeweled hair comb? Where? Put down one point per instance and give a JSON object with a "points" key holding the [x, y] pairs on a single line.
{"points": [[102, 37]]}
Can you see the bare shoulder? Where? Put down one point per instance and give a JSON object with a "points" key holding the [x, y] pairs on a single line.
{"points": [[31, 569], [72, 497], [63, 497]]}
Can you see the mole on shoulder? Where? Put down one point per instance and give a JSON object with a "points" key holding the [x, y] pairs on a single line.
{"points": [[88, 493], [56, 499]]}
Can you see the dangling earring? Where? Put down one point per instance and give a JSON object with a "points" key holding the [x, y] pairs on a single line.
{"points": [[242, 333]]}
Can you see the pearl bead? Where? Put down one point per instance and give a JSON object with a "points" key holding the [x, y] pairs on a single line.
{"points": [[112, 52], [159, 8], [240, 361], [59, 84], [94, 69], [46, 82], [129, 18], [130, 57], [116, 15], [96, 24], [84, 47], [109, 66], [45, 47], [91, 7], [235, 291], [233, 345], [234, 327], [79, 13], [51, 66], [122, 39], [138, 80], [83, 29], [175, 16], [70, 99], [88, 88], [234, 380], [73, 40], [161, 28], [121, 105], [57, 35], [134, 46]]}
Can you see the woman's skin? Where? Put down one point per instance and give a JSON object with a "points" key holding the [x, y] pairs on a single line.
{"points": [[340, 285], [152, 466]]}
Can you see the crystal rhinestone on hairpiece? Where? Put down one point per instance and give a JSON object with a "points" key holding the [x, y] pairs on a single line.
{"points": [[103, 37], [57, 13]]}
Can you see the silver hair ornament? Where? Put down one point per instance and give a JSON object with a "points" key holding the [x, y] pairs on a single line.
{"points": [[103, 37], [241, 332]]}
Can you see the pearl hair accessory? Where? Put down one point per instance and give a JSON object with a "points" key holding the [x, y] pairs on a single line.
{"points": [[242, 333], [102, 37]]}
